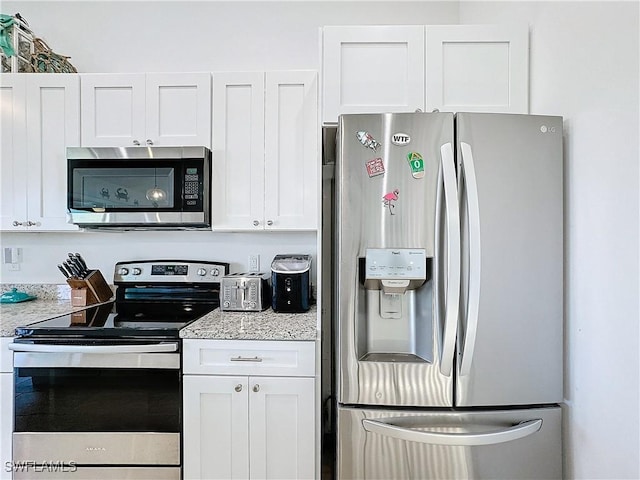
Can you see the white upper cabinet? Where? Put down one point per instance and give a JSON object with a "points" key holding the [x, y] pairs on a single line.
{"points": [[40, 118], [478, 68], [265, 154], [370, 69], [146, 109]]}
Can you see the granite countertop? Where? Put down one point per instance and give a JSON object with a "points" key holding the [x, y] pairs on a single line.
{"points": [[55, 300], [52, 301], [267, 325]]}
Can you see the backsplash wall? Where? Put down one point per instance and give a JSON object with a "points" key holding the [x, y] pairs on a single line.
{"points": [[42, 252]]}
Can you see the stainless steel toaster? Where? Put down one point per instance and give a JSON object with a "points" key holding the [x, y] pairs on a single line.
{"points": [[246, 292]]}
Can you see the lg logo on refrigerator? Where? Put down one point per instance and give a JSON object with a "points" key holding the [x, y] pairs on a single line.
{"points": [[400, 139], [545, 129]]}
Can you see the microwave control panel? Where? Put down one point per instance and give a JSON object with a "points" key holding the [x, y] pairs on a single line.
{"points": [[192, 187]]}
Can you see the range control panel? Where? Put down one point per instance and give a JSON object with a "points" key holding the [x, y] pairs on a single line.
{"points": [[170, 271]]}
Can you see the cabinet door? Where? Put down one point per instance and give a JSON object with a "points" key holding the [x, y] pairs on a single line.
{"points": [[113, 110], [13, 151], [178, 109], [237, 198], [53, 123], [291, 151], [478, 68], [371, 69], [215, 427], [281, 428]]}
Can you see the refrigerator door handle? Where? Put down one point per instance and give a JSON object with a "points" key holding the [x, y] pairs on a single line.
{"points": [[387, 428], [475, 251], [452, 297]]}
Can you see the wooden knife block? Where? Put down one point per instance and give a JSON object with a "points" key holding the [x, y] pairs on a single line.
{"points": [[89, 290]]}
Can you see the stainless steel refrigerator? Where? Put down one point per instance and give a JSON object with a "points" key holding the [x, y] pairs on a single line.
{"points": [[443, 267]]}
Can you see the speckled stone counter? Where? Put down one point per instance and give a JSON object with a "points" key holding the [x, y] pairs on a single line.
{"points": [[52, 301], [267, 325], [55, 300]]}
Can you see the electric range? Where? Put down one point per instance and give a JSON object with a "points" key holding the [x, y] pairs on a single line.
{"points": [[98, 393]]}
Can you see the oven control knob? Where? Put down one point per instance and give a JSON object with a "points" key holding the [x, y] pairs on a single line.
{"points": [[123, 271], [227, 304], [136, 271], [215, 272], [202, 272]]}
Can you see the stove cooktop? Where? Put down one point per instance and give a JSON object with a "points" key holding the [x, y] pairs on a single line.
{"points": [[104, 321]]}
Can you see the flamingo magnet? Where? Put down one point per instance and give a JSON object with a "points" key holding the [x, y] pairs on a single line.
{"points": [[389, 199]]}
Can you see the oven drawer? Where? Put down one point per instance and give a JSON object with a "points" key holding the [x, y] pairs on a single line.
{"points": [[103, 448], [248, 357]]}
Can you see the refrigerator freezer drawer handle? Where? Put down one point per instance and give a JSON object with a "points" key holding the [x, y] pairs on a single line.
{"points": [[475, 251], [514, 432]]}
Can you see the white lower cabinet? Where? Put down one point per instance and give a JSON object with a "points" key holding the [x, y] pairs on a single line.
{"points": [[249, 409], [6, 407]]}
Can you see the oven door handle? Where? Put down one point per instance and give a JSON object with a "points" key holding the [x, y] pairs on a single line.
{"points": [[115, 349]]}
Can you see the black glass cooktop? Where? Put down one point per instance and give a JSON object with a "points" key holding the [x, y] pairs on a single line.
{"points": [[107, 321]]}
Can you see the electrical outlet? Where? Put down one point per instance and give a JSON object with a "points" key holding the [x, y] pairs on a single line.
{"points": [[254, 263]]}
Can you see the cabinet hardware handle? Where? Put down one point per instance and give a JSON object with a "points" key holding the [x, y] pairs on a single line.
{"points": [[149, 142], [31, 224], [269, 222], [256, 388], [246, 359], [17, 223], [238, 388], [256, 223], [136, 142]]}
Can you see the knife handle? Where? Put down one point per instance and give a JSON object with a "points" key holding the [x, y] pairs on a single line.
{"points": [[64, 272]]}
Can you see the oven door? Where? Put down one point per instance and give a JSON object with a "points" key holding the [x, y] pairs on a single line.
{"points": [[81, 408]]}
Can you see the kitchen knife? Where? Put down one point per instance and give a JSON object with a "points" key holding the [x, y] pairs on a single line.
{"points": [[72, 268], [75, 261], [82, 262], [64, 271]]}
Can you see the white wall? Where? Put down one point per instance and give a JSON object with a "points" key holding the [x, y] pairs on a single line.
{"points": [[584, 66], [174, 36]]}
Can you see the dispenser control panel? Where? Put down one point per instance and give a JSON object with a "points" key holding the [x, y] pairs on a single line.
{"points": [[396, 263]]}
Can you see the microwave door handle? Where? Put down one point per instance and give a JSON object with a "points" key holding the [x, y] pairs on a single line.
{"points": [[114, 349], [387, 428], [473, 305]]}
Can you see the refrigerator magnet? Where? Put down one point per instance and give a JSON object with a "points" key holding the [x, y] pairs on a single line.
{"points": [[416, 162], [389, 199], [366, 139], [375, 167], [401, 139]]}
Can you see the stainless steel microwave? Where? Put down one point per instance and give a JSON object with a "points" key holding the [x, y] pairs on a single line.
{"points": [[139, 187]]}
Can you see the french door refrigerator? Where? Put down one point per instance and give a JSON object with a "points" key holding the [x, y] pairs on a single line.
{"points": [[447, 296]]}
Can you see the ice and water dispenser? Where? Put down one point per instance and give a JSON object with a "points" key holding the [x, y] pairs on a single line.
{"points": [[396, 325]]}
